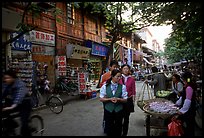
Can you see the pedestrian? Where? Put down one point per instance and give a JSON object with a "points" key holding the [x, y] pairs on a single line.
{"points": [[129, 82], [105, 77], [159, 80], [176, 88], [113, 95], [17, 99], [187, 104], [87, 71]]}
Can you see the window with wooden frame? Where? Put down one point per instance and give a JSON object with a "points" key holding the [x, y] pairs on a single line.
{"points": [[96, 23], [70, 14]]}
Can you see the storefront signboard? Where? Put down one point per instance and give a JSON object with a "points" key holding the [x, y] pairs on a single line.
{"points": [[22, 43], [42, 38], [99, 50], [77, 52], [96, 48]]}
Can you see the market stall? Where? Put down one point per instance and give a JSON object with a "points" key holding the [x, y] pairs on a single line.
{"points": [[157, 110]]}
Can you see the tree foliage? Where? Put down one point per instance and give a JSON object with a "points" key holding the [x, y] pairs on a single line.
{"points": [[185, 41]]}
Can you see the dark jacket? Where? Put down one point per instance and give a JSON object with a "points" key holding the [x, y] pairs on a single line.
{"points": [[16, 92]]}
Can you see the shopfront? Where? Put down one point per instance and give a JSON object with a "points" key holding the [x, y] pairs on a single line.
{"points": [[43, 53], [75, 57], [21, 59], [98, 54]]}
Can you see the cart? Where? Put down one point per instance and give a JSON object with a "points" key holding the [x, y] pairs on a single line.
{"points": [[156, 120]]}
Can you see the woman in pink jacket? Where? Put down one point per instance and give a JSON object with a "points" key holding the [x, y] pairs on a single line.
{"points": [[129, 82]]}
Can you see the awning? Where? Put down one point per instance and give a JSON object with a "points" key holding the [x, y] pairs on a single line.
{"points": [[148, 61]]}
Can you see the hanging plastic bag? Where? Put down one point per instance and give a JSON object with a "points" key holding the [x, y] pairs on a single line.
{"points": [[175, 128]]}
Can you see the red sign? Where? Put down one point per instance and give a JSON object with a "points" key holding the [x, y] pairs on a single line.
{"points": [[61, 62]]}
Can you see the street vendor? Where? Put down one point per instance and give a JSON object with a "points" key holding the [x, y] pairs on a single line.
{"points": [[159, 80], [187, 104], [177, 88]]}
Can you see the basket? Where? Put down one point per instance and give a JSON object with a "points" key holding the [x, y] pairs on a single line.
{"points": [[158, 114], [140, 101]]}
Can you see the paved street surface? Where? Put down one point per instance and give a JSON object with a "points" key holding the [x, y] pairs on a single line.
{"points": [[84, 118]]}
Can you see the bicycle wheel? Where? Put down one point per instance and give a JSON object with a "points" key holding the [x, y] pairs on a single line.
{"points": [[36, 125], [55, 104]]}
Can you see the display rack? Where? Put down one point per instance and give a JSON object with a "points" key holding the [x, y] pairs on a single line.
{"points": [[25, 71], [72, 73], [95, 67]]}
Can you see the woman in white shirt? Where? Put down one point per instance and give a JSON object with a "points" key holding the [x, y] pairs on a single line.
{"points": [[113, 95]]}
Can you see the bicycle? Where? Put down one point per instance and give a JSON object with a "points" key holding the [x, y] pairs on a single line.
{"points": [[66, 86], [53, 101], [9, 125]]}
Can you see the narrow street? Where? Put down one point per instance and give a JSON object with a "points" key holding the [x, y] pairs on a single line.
{"points": [[84, 118]]}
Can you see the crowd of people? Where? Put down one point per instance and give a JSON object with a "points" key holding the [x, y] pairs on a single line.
{"points": [[117, 93], [119, 100]]}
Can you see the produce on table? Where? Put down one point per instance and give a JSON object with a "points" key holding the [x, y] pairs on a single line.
{"points": [[162, 93], [165, 107]]}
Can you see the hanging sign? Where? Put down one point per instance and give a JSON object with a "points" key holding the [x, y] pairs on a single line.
{"points": [[61, 64], [22, 43]]}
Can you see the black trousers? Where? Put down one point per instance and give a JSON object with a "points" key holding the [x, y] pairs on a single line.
{"points": [[113, 122], [25, 111], [125, 125], [189, 119]]}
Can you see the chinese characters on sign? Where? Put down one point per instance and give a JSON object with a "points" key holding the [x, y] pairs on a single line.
{"points": [[61, 63], [22, 43], [42, 38], [81, 82], [99, 50]]}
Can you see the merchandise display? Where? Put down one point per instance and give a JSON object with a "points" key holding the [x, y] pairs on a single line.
{"points": [[95, 67], [72, 73], [25, 71], [160, 107]]}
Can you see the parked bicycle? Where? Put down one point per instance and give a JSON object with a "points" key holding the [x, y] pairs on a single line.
{"points": [[53, 100], [10, 125], [66, 86]]}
